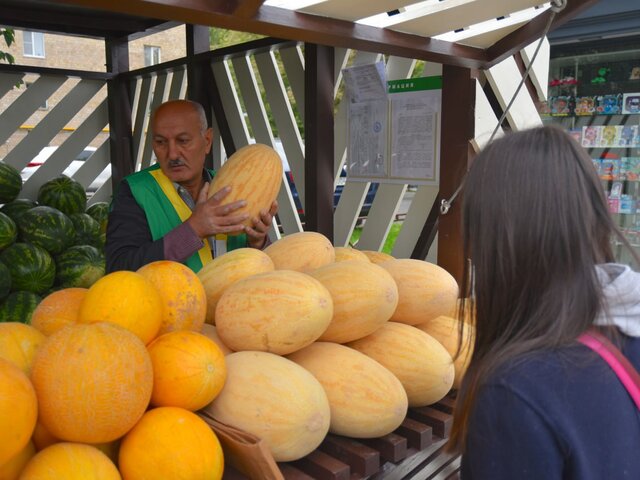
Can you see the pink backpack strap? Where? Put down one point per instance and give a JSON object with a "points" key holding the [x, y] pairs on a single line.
{"points": [[628, 375]]}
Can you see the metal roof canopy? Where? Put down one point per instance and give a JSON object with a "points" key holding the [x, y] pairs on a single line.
{"points": [[465, 33]]}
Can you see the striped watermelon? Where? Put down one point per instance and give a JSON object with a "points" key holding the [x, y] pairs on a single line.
{"points": [[19, 306], [8, 231], [64, 194], [80, 266], [46, 227], [87, 230], [18, 207], [99, 211], [10, 183], [5, 281], [31, 267]]}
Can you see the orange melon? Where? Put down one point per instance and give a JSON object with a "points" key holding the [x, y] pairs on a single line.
{"points": [[445, 330], [279, 312], [301, 251], [18, 410], [93, 382], [420, 362], [42, 438], [182, 294], [19, 343], [426, 290], [348, 253], [364, 298], [171, 443], [254, 173], [377, 257], [71, 461], [227, 269], [11, 470], [58, 309], [211, 333], [188, 370], [276, 400], [127, 299], [366, 399]]}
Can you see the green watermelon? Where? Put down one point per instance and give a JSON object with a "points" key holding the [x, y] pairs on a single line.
{"points": [[99, 211], [10, 183], [19, 306], [8, 231], [31, 267], [5, 281], [87, 229], [64, 194], [18, 207], [80, 266], [46, 227]]}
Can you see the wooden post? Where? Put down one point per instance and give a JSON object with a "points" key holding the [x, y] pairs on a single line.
{"points": [[318, 128]]}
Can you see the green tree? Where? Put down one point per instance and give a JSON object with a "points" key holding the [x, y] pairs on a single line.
{"points": [[9, 37]]}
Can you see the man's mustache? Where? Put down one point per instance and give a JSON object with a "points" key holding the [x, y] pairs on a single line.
{"points": [[176, 163]]}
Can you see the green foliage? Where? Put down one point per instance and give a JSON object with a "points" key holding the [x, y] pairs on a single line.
{"points": [[220, 38], [9, 37], [388, 243]]}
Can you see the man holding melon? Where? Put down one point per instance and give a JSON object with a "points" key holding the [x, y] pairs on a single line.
{"points": [[167, 211]]}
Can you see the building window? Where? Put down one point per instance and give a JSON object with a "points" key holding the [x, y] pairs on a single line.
{"points": [[151, 55], [33, 43]]}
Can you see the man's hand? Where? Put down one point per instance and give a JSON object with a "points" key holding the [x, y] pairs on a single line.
{"points": [[257, 235], [210, 216]]}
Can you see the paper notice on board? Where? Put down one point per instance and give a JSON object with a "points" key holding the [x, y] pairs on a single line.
{"points": [[365, 82], [367, 139]]}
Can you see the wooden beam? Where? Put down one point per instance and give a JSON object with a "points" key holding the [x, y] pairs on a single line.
{"points": [[248, 8], [533, 30], [63, 72], [288, 24]]}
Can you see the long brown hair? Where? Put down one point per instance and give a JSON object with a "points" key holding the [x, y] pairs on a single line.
{"points": [[535, 225]]}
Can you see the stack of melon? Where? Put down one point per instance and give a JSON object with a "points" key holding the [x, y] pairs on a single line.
{"points": [[54, 242], [105, 382]]}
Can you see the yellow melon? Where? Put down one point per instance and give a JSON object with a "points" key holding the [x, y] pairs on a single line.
{"points": [[171, 443], [366, 399], [11, 470], [127, 299], [18, 410], [279, 312], [226, 270], [302, 252], [188, 370], [348, 253], [58, 309], [93, 382], [364, 298], [183, 297], [254, 173], [420, 362], [426, 290], [275, 399], [210, 332], [19, 343], [377, 257], [71, 461], [42, 437], [445, 330]]}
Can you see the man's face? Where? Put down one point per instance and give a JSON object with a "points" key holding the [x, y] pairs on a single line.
{"points": [[179, 143]]}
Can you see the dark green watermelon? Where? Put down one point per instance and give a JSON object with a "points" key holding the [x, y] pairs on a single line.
{"points": [[87, 230], [31, 267], [19, 306], [5, 281], [64, 194], [46, 227], [99, 211], [10, 183], [8, 231], [18, 207], [80, 266]]}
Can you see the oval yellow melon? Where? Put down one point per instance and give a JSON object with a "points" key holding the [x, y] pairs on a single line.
{"points": [[445, 330], [279, 312], [366, 399], [93, 382], [42, 437], [426, 290], [171, 443], [254, 173], [377, 257], [210, 332], [127, 299], [225, 270], [301, 251], [11, 470], [275, 399], [71, 461], [420, 362], [188, 370], [182, 294], [18, 410], [58, 309], [347, 253], [19, 343], [364, 298]]}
